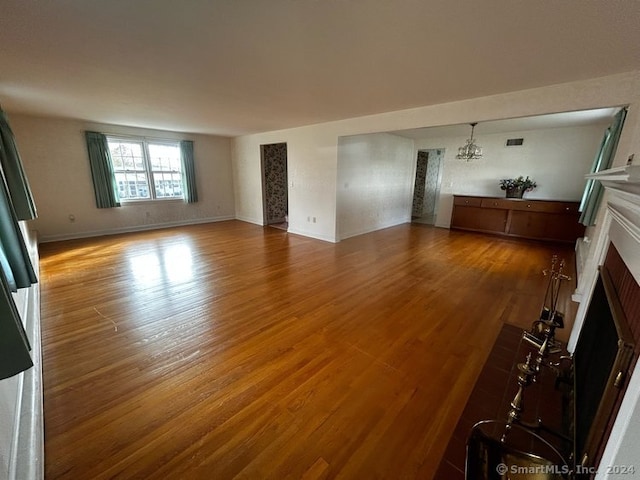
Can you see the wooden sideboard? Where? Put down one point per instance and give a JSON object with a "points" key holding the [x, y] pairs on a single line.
{"points": [[535, 219]]}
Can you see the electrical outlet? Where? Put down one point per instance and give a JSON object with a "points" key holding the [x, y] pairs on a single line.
{"points": [[314, 219]]}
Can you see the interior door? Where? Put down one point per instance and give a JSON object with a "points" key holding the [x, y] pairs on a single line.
{"points": [[427, 186], [275, 200], [419, 186]]}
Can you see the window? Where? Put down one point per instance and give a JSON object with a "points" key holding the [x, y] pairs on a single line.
{"points": [[146, 170]]}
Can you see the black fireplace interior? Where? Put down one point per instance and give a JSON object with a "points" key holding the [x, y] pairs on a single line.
{"points": [[600, 368]]}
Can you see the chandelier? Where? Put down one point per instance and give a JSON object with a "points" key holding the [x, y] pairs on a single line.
{"points": [[470, 151]]}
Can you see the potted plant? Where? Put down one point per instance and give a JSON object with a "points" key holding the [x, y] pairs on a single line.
{"points": [[515, 187]]}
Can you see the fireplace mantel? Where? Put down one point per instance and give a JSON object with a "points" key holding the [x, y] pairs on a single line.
{"points": [[618, 225], [622, 218], [625, 180]]}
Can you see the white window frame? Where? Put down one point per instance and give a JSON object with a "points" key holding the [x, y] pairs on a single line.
{"points": [[148, 168]]}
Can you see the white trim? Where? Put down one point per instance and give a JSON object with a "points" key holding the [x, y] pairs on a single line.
{"points": [[147, 201], [376, 228], [148, 170], [132, 228], [17, 427], [28, 449], [620, 227], [621, 179], [255, 221], [587, 281], [26, 460], [628, 174], [306, 233], [582, 254]]}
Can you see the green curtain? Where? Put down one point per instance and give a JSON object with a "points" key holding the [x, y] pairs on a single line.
{"points": [[14, 175], [6, 269], [14, 194], [594, 190], [14, 344], [104, 180], [188, 172], [16, 270], [14, 251]]}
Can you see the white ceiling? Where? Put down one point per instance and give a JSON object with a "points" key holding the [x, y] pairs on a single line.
{"points": [[232, 67]]}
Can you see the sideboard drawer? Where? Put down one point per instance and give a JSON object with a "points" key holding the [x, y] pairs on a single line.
{"points": [[533, 206], [545, 206], [497, 203], [467, 201]]}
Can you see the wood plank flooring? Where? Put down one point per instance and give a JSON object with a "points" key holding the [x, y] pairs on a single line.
{"points": [[230, 350]]}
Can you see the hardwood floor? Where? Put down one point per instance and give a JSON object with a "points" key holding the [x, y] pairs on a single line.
{"points": [[229, 350]]}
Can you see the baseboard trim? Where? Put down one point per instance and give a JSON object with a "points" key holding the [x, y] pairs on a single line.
{"points": [[324, 238], [255, 221], [374, 229], [131, 229]]}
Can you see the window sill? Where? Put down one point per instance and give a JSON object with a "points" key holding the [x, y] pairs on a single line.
{"points": [[151, 200]]}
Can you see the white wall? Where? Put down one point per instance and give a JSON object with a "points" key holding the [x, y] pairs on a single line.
{"points": [[313, 155], [374, 182], [54, 155], [557, 159], [311, 170]]}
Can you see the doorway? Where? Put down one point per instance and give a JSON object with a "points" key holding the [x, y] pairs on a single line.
{"points": [[275, 199], [429, 165]]}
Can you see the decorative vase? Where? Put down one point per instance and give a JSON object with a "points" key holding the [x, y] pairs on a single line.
{"points": [[515, 192]]}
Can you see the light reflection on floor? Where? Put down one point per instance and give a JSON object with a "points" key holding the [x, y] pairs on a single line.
{"points": [[170, 266]]}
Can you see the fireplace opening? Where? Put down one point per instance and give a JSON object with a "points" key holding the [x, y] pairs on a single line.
{"points": [[602, 361]]}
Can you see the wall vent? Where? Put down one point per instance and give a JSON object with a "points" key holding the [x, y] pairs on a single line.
{"points": [[515, 142]]}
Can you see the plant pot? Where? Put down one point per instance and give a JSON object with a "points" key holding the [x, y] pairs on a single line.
{"points": [[516, 192]]}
